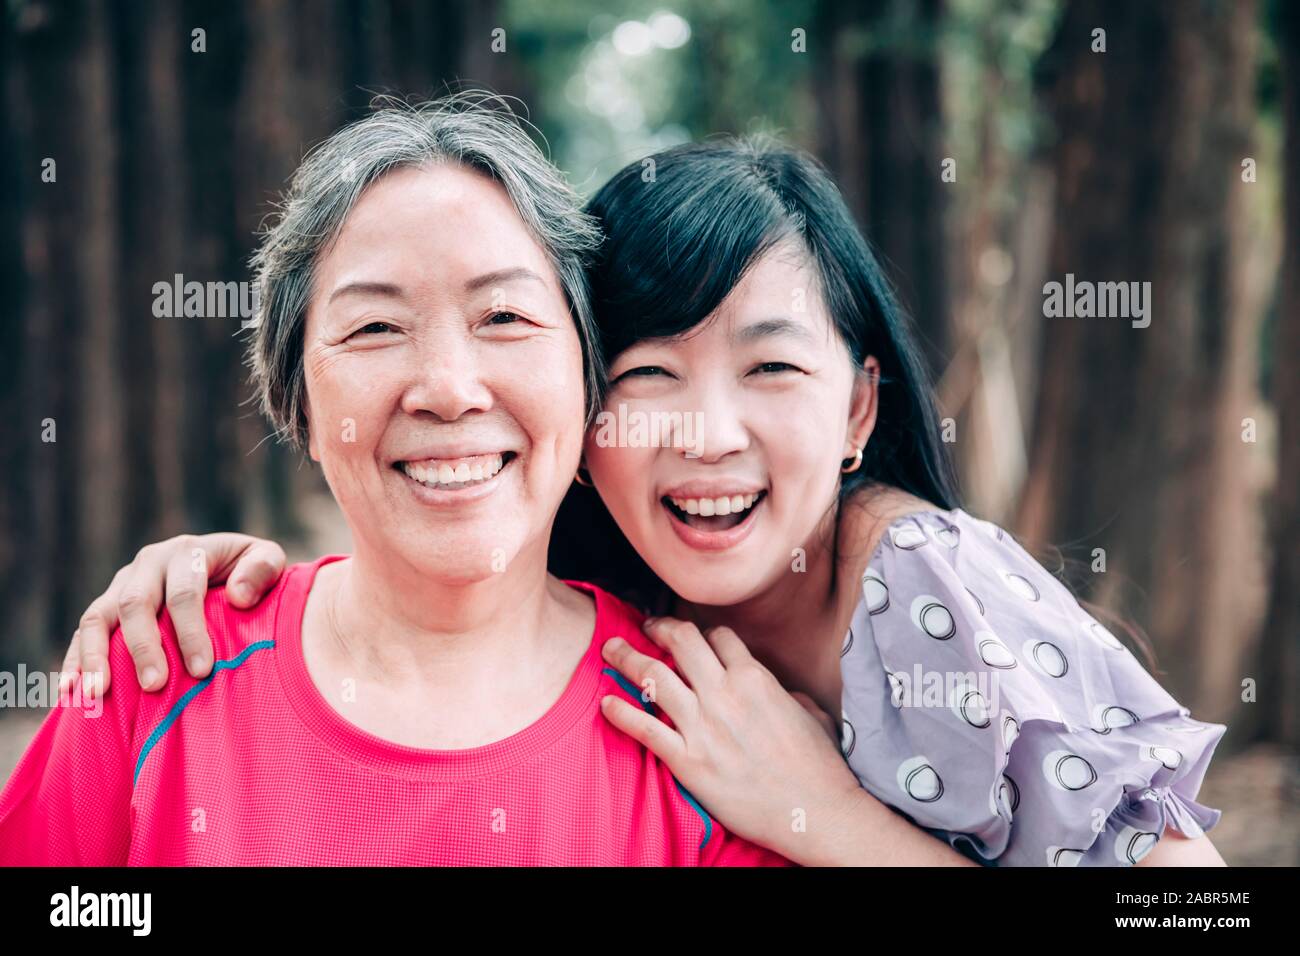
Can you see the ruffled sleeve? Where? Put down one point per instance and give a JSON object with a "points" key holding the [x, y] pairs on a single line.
{"points": [[984, 703]]}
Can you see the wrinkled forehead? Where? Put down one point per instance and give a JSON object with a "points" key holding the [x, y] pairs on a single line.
{"points": [[429, 221]]}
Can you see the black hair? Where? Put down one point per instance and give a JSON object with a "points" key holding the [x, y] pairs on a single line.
{"points": [[681, 229]]}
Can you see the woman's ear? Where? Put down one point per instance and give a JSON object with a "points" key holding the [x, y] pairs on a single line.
{"points": [[863, 405]]}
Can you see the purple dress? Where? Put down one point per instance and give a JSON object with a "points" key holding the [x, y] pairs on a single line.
{"points": [[983, 702]]}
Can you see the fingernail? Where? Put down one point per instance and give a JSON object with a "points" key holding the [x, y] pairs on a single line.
{"points": [[149, 677], [648, 621], [196, 664], [239, 592]]}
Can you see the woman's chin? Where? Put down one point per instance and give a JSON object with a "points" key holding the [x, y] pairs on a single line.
{"points": [[450, 557], [471, 568], [712, 588]]}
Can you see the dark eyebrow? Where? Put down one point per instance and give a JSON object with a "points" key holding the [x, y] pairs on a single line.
{"points": [[367, 288], [766, 327], [501, 275]]}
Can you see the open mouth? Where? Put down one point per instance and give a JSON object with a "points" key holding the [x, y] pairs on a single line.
{"points": [[456, 474], [714, 514]]}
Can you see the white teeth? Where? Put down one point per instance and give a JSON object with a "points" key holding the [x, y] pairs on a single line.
{"points": [[434, 474], [709, 507]]}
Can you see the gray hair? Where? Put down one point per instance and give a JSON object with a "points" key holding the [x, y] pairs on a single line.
{"points": [[474, 129]]}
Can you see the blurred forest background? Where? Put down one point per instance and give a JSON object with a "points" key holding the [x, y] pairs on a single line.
{"points": [[1171, 157]]}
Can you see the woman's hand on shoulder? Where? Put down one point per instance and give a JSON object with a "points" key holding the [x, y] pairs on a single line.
{"points": [[765, 763], [177, 572]]}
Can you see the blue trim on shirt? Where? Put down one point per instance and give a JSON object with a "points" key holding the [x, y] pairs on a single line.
{"points": [[631, 688], [649, 708], [188, 696]]}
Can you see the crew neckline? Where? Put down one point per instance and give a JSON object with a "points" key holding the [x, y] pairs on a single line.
{"points": [[418, 763]]}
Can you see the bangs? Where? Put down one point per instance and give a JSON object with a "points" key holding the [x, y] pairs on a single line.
{"points": [[676, 245]]}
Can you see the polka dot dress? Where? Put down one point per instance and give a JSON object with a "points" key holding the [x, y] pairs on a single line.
{"points": [[983, 702]]}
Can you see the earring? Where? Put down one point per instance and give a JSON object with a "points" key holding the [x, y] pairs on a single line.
{"points": [[849, 465], [586, 483]]}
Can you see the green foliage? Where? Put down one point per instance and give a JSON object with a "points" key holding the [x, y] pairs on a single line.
{"points": [[604, 103]]}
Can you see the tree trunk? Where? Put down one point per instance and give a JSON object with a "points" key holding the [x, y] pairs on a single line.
{"points": [[1279, 671], [66, 392], [881, 136], [1138, 444]]}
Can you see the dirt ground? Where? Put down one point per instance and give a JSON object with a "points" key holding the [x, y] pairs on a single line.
{"points": [[1258, 791]]}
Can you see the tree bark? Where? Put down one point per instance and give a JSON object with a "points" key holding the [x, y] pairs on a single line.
{"points": [[1137, 443], [1279, 670], [881, 136]]}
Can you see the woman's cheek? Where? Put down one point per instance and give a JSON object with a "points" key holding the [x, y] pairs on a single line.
{"points": [[802, 452], [621, 476], [545, 396], [352, 400]]}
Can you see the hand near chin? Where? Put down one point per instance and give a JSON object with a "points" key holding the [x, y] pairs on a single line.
{"points": [[762, 761]]}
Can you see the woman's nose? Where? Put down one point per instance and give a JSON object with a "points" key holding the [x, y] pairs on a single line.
{"points": [[722, 429], [447, 379]]}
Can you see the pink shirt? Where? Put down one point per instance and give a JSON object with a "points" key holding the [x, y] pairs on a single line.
{"points": [[252, 766]]}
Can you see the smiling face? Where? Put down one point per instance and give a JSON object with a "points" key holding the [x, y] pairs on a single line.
{"points": [[780, 405], [444, 376]]}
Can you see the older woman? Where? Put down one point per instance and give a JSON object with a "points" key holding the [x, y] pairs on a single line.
{"points": [[434, 698]]}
